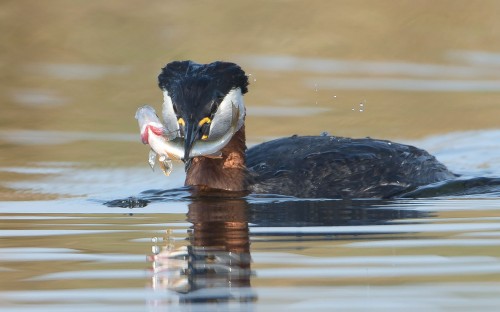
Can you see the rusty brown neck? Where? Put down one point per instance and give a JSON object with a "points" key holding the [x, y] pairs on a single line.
{"points": [[225, 173]]}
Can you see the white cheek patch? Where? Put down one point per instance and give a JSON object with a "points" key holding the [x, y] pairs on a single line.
{"points": [[169, 117], [223, 118]]}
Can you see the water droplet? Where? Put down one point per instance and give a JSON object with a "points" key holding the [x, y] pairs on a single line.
{"points": [[253, 78], [155, 250], [154, 239], [362, 106], [316, 87]]}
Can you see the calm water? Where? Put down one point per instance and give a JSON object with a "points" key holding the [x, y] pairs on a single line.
{"points": [[259, 253], [85, 224]]}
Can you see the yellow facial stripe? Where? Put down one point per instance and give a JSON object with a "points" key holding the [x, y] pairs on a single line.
{"points": [[204, 137], [181, 122], [205, 120]]}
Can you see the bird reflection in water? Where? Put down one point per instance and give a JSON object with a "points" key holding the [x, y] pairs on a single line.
{"points": [[216, 265]]}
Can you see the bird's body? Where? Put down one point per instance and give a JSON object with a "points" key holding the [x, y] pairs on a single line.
{"points": [[336, 167], [200, 105]]}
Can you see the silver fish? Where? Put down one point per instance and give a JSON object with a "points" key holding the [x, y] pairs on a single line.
{"points": [[169, 146], [152, 133]]}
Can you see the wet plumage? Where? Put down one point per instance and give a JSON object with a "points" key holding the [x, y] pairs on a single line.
{"points": [[198, 100], [335, 167]]}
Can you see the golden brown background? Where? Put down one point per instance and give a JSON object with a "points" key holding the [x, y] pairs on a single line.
{"points": [[75, 71]]}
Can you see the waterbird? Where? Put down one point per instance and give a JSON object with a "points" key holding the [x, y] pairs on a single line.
{"points": [[204, 126]]}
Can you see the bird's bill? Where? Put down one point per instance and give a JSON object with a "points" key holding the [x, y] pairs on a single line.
{"points": [[194, 146]]}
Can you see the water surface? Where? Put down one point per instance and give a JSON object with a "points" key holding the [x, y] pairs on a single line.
{"points": [[254, 254], [163, 250]]}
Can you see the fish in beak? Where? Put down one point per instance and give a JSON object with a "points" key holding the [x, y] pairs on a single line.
{"points": [[190, 137], [153, 133], [166, 146]]}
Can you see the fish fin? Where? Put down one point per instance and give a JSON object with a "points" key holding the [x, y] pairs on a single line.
{"points": [[152, 159], [165, 165]]}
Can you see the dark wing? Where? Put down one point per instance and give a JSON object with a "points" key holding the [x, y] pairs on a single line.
{"points": [[334, 167]]}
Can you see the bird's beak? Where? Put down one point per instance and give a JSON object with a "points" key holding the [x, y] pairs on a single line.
{"points": [[191, 134]]}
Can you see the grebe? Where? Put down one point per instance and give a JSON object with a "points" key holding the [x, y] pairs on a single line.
{"points": [[203, 125]]}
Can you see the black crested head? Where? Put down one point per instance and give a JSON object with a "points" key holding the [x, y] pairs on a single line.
{"points": [[225, 75], [197, 89], [199, 97]]}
